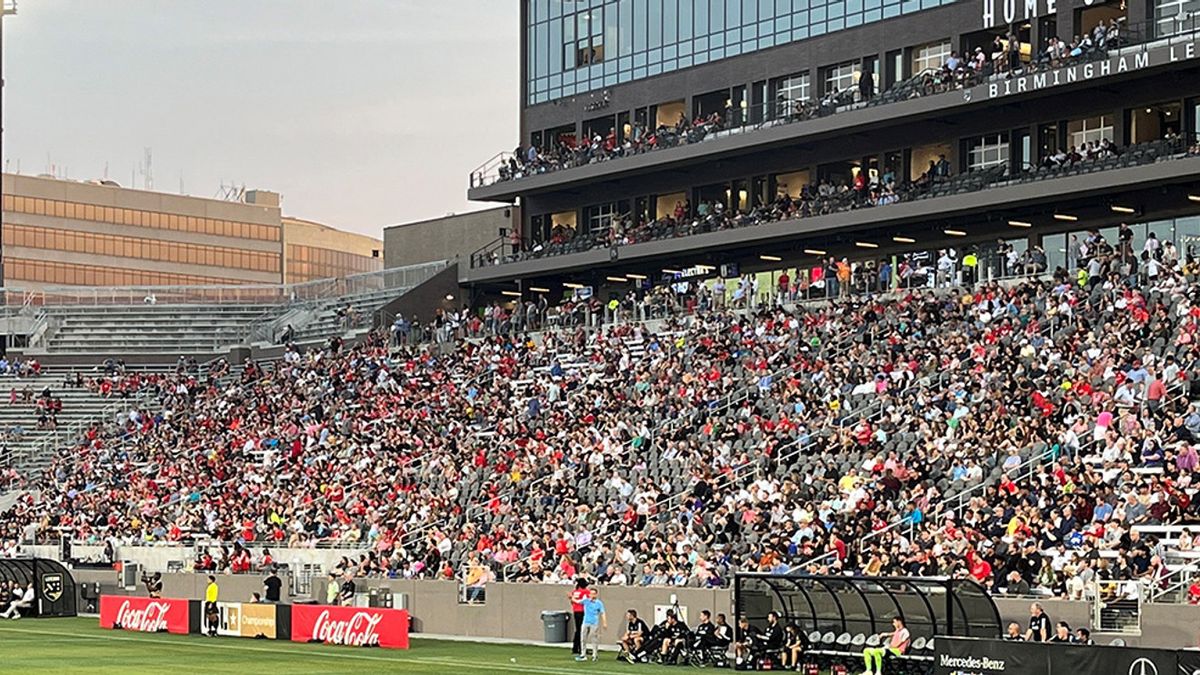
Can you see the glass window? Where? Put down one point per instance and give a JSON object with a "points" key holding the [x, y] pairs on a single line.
{"points": [[841, 77], [1175, 16], [987, 151], [1090, 130], [930, 57]]}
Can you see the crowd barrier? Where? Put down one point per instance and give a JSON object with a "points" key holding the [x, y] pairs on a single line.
{"points": [[349, 626], [970, 656]]}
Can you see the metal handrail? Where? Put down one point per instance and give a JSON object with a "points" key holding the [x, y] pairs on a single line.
{"points": [[751, 117]]}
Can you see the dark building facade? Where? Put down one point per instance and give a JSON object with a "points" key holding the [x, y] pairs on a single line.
{"points": [[881, 126]]}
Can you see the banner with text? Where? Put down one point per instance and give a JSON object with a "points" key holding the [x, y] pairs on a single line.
{"points": [[145, 615], [966, 656], [252, 620], [353, 626]]}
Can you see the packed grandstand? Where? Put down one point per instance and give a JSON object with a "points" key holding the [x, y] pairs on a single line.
{"points": [[1016, 432]]}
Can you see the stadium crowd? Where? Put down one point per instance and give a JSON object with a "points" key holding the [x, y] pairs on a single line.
{"points": [[993, 431]]}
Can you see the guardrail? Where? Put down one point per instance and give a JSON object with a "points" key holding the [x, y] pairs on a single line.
{"points": [[747, 118], [265, 294]]}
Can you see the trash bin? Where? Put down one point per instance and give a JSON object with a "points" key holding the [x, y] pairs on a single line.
{"points": [[555, 626]]}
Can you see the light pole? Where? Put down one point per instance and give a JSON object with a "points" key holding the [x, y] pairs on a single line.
{"points": [[9, 7]]}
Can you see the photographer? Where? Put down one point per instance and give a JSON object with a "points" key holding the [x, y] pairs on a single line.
{"points": [[154, 584]]}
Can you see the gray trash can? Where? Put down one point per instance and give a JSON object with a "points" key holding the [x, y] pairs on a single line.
{"points": [[555, 626]]}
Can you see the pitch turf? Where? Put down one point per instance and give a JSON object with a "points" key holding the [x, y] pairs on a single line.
{"points": [[80, 646]]}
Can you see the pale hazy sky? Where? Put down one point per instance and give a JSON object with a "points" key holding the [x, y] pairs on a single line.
{"points": [[362, 113]]}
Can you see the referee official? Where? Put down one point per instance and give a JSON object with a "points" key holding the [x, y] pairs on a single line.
{"points": [[211, 615]]}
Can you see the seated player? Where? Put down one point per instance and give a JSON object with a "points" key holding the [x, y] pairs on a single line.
{"points": [[795, 642], [635, 634], [749, 643], [675, 638], [653, 641], [898, 642]]}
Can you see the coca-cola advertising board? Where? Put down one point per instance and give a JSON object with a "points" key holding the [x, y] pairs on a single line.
{"points": [[353, 626], [145, 615]]}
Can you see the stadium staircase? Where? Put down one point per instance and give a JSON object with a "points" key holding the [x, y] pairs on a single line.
{"points": [[167, 321]]}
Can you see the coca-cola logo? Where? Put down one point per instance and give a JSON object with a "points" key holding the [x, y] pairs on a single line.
{"points": [[151, 619], [356, 631]]}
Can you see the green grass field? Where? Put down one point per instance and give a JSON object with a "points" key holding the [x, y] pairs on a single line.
{"points": [[80, 646]]}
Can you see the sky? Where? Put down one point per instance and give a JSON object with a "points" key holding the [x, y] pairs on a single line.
{"points": [[361, 113]]}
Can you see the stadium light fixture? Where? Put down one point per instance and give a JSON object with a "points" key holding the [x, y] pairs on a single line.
{"points": [[511, 294], [866, 244], [1117, 208], [1065, 217], [770, 258], [572, 285], [702, 267], [903, 240], [1195, 198], [539, 289], [814, 251], [669, 271], [639, 277], [955, 233], [617, 280], [1019, 223]]}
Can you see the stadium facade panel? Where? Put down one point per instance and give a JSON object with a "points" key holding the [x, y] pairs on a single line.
{"points": [[929, 118]]}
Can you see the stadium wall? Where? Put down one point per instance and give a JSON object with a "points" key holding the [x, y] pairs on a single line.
{"points": [[512, 610]]}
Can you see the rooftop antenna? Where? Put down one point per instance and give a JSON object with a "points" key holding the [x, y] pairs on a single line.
{"points": [[231, 192], [148, 169]]}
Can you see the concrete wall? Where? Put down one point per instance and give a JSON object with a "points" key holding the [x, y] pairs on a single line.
{"points": [[238, 588], [513, 611], [439, 291], [456, 236]]}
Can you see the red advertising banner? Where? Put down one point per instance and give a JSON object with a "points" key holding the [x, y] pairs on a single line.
{"points": [[146, 615], [354, 626]]}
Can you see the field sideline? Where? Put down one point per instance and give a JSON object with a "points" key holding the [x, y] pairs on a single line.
{"points": [[79, 645]]}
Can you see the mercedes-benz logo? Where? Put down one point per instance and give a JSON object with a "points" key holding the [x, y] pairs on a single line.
{"points": [[1143, 666]]}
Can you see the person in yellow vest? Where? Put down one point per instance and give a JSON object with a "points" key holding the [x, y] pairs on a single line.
{"points": [[970, 262], [211, 615]]}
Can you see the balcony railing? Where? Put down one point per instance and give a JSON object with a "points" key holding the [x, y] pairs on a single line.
{"points": [[715, 220], [509, 166]]}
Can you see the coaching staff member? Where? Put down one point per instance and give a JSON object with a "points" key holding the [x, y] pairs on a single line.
{"points": [[577, 597], [1039, 624]]}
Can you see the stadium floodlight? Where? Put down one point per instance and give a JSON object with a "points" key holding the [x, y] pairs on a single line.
{"points": [[539, 289], [670, 271], [1018, 223], [1065, 217], [511, 294], [770, 258], [1195, 198], [814, 251], [866, 244], [570, 284], [617, 280], [639, 277], [1117, 208], [903, 240], [955, 233]]}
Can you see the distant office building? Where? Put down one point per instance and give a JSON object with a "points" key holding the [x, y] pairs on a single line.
{"points": [[58, 232], [316, 251], [449, 237]]}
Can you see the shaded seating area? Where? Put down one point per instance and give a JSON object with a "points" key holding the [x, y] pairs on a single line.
{"points": [[842, 615]]}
